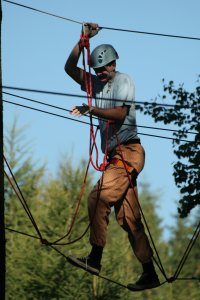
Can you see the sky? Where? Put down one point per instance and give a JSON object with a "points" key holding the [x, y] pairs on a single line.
{"points": [[35, 47]]}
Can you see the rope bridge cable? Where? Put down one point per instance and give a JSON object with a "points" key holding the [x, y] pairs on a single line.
{"points": [[101, 276], [84, 97], [87, 123], [187, 251], [21, 198], [104, 27], [189, 278], [68, 110], [23, 233]]}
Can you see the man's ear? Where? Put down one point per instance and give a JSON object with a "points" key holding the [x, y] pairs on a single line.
{"points": [[114, 63]]}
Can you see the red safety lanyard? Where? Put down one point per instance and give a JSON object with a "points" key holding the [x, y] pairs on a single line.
{"points": [[85, 44]]}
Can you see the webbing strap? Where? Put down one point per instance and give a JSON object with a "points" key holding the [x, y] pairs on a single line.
{"points": [[118, 162]]}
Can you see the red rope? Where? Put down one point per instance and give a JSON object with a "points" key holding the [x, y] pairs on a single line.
{"points": [[85, 44], [76, 210]]}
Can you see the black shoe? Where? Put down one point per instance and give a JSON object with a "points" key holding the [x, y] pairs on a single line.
{"points": [[86, 263], [146, 281]]}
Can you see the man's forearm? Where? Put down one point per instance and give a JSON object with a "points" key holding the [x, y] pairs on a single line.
{"points": [[114, 114]]}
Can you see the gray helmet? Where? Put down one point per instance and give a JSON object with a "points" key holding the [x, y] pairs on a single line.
{"points": [[102, 55]]}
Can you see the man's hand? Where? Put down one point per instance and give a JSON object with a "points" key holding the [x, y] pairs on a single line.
{"points": [[78, 111], [91, 29]]}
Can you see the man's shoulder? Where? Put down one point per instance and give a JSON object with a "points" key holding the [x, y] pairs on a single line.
{"points": [[123, 76], [123, 79]]}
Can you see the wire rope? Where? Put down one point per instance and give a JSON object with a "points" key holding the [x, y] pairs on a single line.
{"points": [[68, 110], [84, 97], [43, 12], [87, 123], [107, 28]]}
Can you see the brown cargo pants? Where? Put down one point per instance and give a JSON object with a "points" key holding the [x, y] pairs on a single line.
{"points": [[114, 189]]}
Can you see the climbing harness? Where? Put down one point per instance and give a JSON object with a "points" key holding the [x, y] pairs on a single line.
{"points": [[120, 163]]}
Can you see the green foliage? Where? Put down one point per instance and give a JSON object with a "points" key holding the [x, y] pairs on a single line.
{"points": [[185, 115], [28, 177]]}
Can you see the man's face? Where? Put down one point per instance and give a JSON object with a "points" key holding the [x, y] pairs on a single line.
{"points": [[105, 73]]}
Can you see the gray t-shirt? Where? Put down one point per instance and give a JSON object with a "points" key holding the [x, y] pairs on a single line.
{"points": [[118, 92]]}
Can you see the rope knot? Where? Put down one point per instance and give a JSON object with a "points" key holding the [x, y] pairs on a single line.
{"points": [[44, 242], [171, 279], [102, 166], [84, 41]]}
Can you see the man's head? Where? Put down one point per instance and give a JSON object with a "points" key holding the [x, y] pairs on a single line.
{"points": [[103, 62]]}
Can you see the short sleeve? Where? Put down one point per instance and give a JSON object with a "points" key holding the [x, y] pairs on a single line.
{"points": [[123, 90]]}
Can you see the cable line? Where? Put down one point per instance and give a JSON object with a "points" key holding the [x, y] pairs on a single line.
{"points": [[108, 28], [187, 251], [43, 12], [153, 33], [21, 198], [101, 276], [23, 233], [87, 123], [47, 112], [68, 110], [84, 97]]}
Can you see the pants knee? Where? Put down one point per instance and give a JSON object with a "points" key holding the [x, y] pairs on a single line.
{"points": [[130, 225]]}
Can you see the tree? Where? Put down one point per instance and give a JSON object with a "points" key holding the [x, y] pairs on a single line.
{"points": [[28, 178], [185, 113]]}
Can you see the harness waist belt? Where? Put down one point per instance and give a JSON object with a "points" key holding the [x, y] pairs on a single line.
{"points": [[118, 162]]}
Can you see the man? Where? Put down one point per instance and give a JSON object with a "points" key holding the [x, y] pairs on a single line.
{"points": [[114, 101]]}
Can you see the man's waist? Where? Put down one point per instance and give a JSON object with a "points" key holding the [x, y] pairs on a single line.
{"points": [[128, 142]]}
